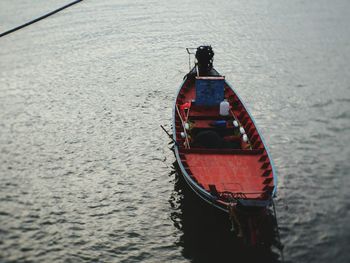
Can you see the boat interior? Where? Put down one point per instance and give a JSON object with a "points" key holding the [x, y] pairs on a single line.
{"points": [[223, 154]]}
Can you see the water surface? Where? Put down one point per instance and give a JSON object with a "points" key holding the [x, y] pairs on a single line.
{"points": [[86, 173]]}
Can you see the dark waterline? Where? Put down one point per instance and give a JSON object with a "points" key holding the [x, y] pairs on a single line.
{"points": [[206, 235]]}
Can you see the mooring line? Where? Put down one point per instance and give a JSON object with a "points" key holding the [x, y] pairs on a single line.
{"points": [[39, 18]]}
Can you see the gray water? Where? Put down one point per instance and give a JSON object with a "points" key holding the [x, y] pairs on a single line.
{"points": [[87, 175]]}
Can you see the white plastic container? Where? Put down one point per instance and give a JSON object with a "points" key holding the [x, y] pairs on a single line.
{"points": [[224, 108]]}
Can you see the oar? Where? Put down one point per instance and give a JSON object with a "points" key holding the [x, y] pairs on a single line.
{"points": [[183, 126], [177, 144], [188, 112]]}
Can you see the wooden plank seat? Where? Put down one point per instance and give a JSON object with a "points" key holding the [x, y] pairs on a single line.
{"points": [[209, 117], [198, 124], [222, 151]]}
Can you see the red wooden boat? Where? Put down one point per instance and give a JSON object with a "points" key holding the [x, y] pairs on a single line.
{"points": [[227, 166]]}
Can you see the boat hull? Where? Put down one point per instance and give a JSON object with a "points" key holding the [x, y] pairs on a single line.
{"points": [[203, 192]]}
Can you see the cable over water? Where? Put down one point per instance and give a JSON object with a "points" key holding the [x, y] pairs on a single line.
{"points": [[39, 18]]}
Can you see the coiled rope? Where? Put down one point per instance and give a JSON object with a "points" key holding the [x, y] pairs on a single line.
{"points": [[39, 18]]}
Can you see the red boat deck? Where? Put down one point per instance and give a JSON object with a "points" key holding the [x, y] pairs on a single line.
{"points": [[246, 170], [232, 173]]}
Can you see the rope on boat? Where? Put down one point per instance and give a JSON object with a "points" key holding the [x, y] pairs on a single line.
{"points": [[234, 219], [233, 216], [39, 18]]}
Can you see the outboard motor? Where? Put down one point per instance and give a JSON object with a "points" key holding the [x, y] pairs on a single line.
{"points": [[205, 57]]}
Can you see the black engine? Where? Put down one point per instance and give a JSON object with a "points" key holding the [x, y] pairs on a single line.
{"points": [[205, 57]]}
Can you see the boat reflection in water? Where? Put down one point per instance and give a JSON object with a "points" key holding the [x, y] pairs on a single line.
{"points": [[206, 235]]}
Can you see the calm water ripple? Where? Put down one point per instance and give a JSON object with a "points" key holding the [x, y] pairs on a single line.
{"points": [[87, 175]]}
